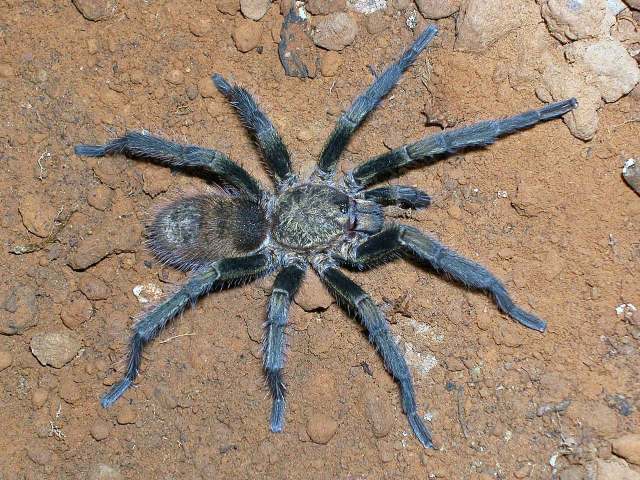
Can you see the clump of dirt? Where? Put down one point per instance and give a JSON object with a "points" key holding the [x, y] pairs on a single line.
{"points": [[548, 212]]}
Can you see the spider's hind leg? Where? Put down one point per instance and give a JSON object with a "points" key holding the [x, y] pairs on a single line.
{"points": [[399, 195], [284, 289]]}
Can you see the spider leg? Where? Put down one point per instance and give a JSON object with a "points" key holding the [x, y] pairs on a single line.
{"points": [[367, 101], [218, 274], [407, 239], [273, 148], [399, 195], [284, 289], [433, 147], [203, 161], [376, 324]]}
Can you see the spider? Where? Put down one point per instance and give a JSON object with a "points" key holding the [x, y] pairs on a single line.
{"points": [[246, 232]]}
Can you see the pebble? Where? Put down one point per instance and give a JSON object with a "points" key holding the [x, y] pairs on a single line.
{"points": [[100, 430], [247, 35], [20, 310], [228, 7], [454, 364], [200, 26], [480, 23], [321, 428], [126, 415], [165, 398], [378, 414], [191, 91], [254, 9], [77, 311], [39, 397], [596, 416], [147, 292], [104, 472], [304, 135], [575, 472], [569, 21], [206, 88], [39, 455], [69, 391], [55, 348], [437, 9], [5, 360], [6, 71], [95, 10], [628, 447], [615, 469], [313, 295], [335, 31], [94, 288], [155, 179], [175, 77], [37, 214], [100, 197], [325, 7], [631, 174], [376, 23]]}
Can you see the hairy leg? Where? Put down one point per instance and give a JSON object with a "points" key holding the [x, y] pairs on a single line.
{"points": [[284, 289], [400, 239], [376, 324], [433, 147], [273, 148], [362, 105], [399, 195], [219, 274], [206, 162]]}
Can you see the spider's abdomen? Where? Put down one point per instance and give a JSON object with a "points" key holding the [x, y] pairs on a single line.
{"points": [[310, 216], [198, 230]]}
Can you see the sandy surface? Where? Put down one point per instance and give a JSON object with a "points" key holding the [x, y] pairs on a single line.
{"points": [[545, 211]]}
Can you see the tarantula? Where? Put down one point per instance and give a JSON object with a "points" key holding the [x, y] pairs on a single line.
{"points": [[247, 232]]}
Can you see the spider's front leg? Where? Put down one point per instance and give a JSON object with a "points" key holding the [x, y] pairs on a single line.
{"points": [[219, 274], [374, 321], [284, 289], [398, 195], [405, 239]]}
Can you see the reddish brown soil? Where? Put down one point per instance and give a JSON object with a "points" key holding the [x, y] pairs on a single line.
{"points": [[565, 240]]}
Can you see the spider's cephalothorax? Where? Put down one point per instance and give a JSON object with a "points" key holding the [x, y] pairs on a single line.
{"points": [[247, 232]]}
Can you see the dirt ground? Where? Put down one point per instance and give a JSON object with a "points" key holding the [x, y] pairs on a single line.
{"points": [[548, 213]]}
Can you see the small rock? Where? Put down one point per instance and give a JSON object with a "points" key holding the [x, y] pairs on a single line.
{"points": [[147, 292], [454, 364], [39, 397], [228, 7], [104, 472], [525, 201], [100, 197], [155, 179], [69, 391], [378, 413], [175, 77], [37, 214], [367, 7], [39, 455], [631, 174], [330, 64], [615, 70], [436, 9], [298, 54], [321, 428], [126, 415], [19, 310], [55, 348], [569, 21], [575, 472], [254, 9], [200, 26], [480, 23], [615, 469], [335, 31], [376, 23], [77, 311], [595, 416], [401, 5], [95, 10], [313, 295], [165, 398], [5, 360], [206, 88], [191, 91], [94, 288], [247, 35], [325, 7], [100, 430], [628, 447], [6, 71]]}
